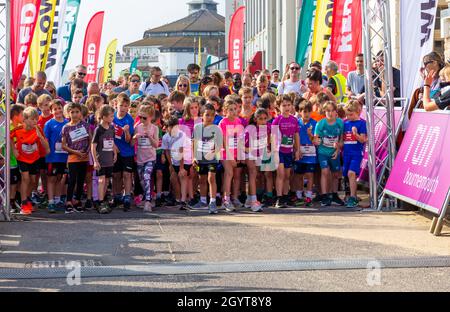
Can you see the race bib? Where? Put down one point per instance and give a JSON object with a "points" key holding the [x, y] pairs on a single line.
{"points": [[118, 132], [232, 143], [78, 134], [108, 145], [59, 149], [349, 138], [206, 147], [259, 144], [144, 142], [287, 141], [29, 148], [330, 141], [308, 150]]}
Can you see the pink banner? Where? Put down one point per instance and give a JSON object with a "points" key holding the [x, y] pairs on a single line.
{"points": [[380, 136], [236, 42], [91, 47], [421, 170], [24, 14], [346, 34]]}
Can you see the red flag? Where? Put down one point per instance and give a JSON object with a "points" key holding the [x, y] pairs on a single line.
{"points": [[236, 42], [346, 34], [24, 14], [91, 47]]}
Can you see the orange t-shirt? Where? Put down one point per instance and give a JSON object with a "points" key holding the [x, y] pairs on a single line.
{"points": [[317, 116], [41, 123], [27, 143]]}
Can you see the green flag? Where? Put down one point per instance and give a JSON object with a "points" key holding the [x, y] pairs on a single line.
{"points": [[305, 26], [134, 65]]}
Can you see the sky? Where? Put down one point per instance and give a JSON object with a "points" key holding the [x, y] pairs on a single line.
{"points": [[126, 20]]}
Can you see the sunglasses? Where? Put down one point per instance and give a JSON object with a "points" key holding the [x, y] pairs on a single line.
{"points": [[135, 81], [143, 118], [295, 68], [182, 85], [81, 74]]}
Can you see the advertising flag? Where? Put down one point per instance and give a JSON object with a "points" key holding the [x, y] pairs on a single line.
{"points": [[68, 30], [24, 15], [42, 37], [110, 61], [305, 26], [236, 42], [133, 66], [91, 47], [322, 29], [346, 34]]}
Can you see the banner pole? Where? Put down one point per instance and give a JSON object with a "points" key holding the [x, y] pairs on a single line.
{"points": [[440, 220]]}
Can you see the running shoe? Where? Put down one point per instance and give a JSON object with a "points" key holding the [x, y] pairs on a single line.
{"points": [[212, 208], [336, 200]]}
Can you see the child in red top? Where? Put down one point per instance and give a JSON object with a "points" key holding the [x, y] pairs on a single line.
{"points": [[28, 140]]}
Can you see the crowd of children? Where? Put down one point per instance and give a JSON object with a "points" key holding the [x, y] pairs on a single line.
{"points": [[188, 151]]}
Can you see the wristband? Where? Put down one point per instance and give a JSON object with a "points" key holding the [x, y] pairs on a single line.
{"points": [[427, 86]]}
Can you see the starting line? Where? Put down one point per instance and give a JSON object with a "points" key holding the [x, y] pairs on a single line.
{"points": [[226, 267]]}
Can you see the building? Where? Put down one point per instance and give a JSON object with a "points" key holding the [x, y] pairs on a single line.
{"points": [[175, 45], [271, 28]]}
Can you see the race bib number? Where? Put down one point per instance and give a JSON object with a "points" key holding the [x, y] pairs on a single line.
{"points": [[308, 150], [330, 141], [144, 142], [206, 147], [78, 134], [259, 144], [349, 138], [118, 132], [108, 145], [232, 143], [287, 141], [59, 149], [29, 148]]}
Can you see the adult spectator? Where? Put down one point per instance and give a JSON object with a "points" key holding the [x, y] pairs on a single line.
{"points": [[183, 85], [317, 65], [293, 84], [314, 84], [441, 100], [380, 88], [37, 87], [355, 79], [262, 85], [154, 85], [133, 85], [194, 77], [110, 86], [237, 83], [337, 83], [65, 92], [276, 77], [122, 84], [50, 87], [94, 89]]}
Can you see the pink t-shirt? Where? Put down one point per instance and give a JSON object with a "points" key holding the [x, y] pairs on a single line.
{"points": [[190, 124], [232, 137], [145, 152]]}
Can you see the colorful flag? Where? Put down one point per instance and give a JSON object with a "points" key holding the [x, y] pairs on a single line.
{"points": [[346, 34], [236, 42], [91, 47], [305, 26], [42, 37], [110, 61], [24, 15], [322, 29], [68, 30], [134, 65]]}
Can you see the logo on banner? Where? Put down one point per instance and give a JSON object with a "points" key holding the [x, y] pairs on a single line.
{"points": [[427, 138], [237, 54], [27, 18], [427, 20], [53, 47], [91, 59], [345, 44]]}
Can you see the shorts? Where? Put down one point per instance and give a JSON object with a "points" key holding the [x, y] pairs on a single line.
{"points": [[159, 165], [41, 165], [14, 176], [105, 171], [54, 169], [241, 165], [204, 169], [302, 168], [30, 168], [351, 163], [124, 164], [186, 167], [286, 159], [327, 162]]}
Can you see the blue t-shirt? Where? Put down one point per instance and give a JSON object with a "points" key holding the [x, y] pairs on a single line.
{"points": [[125, 149], [351, 145], [329, 134], [309, 152], [217, 119], [52, 131]]}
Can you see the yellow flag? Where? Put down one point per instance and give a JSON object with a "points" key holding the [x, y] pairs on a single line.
{"points": [[322, 29], [110, 61], [42, 36], [199, 62]]}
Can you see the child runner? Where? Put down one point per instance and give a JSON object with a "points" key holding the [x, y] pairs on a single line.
{"points": [[57, 159], [76, 141], [328, 135], [288, 135], [26, 142], [355, 135], [16, 122], [207, 146], [104, 153], [123, 168], [77, 96], [147, 139]]}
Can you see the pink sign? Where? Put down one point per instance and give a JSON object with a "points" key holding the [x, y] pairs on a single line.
{"points": [[421, 170], [380, 140]]}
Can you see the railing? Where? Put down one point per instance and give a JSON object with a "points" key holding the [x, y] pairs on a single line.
{"points": [[129, 59]]}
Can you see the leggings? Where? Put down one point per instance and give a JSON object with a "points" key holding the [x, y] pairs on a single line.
{"points": [[145, 176], [77, 175]]}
